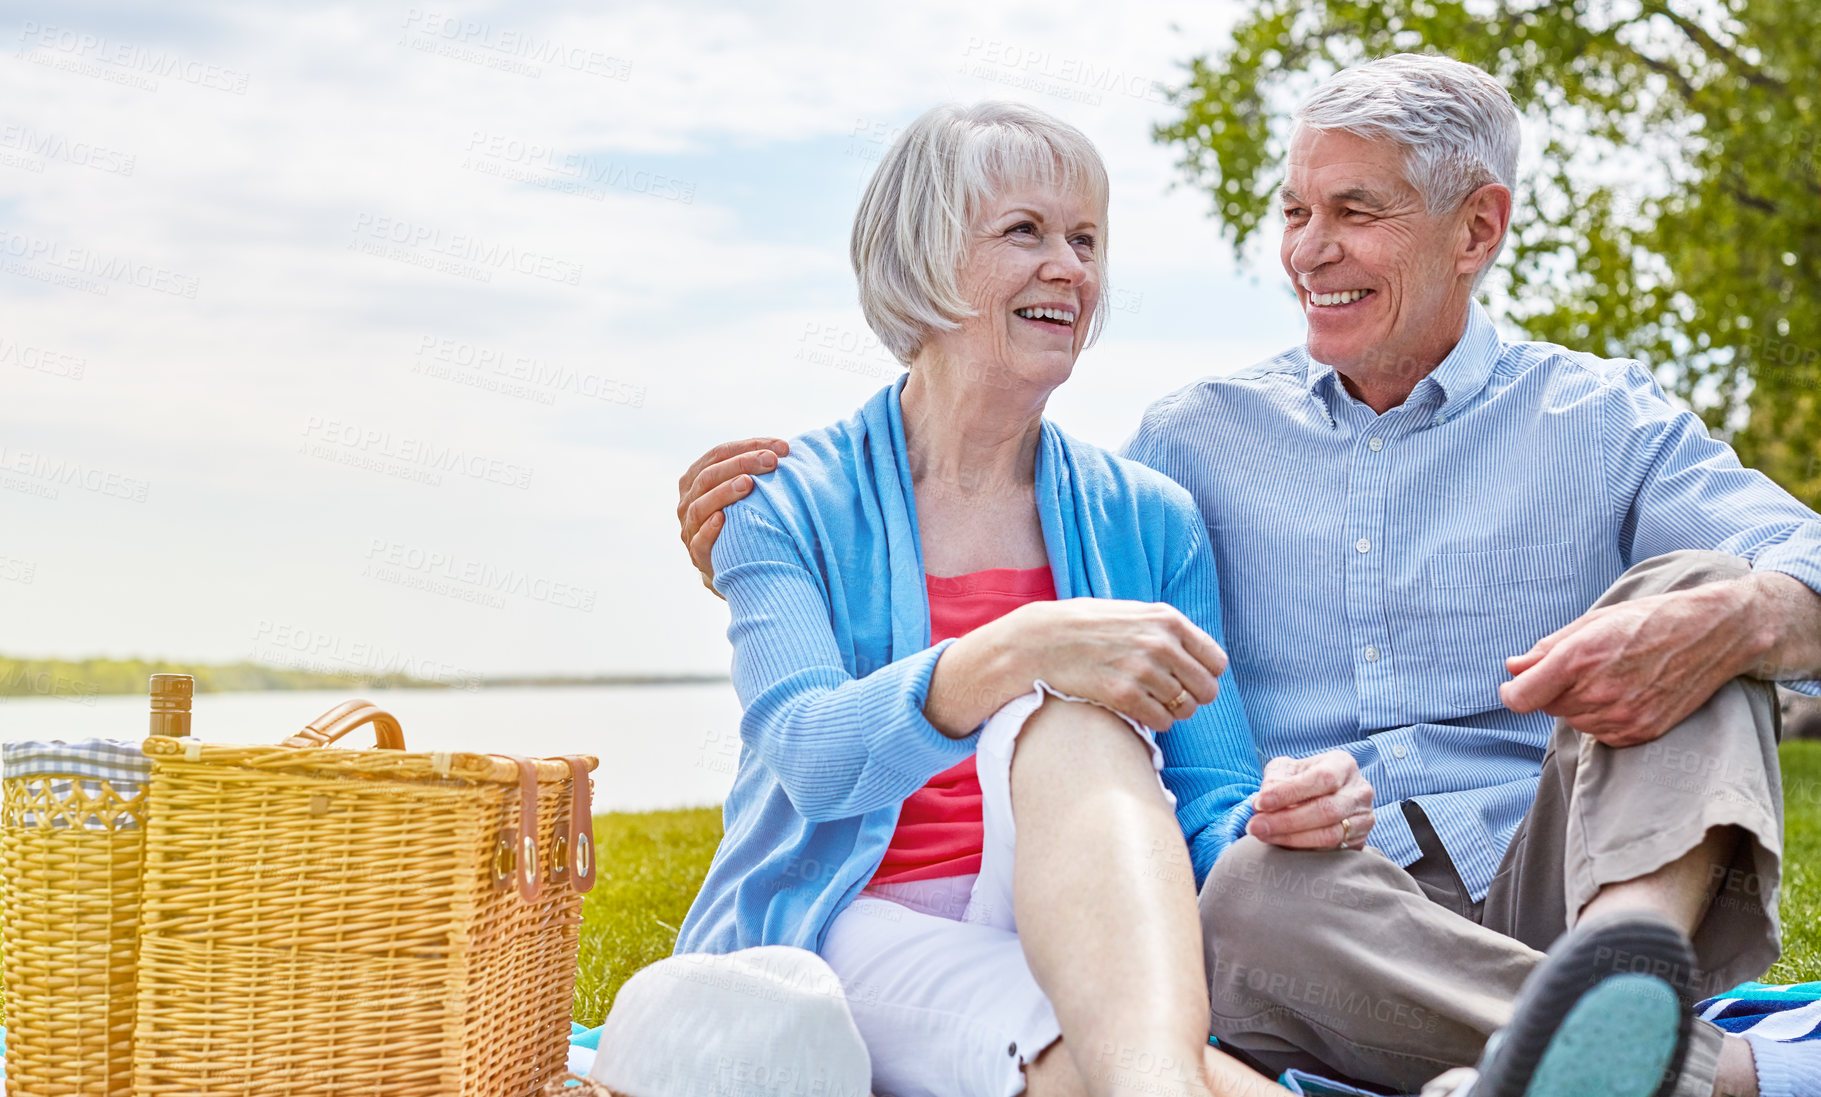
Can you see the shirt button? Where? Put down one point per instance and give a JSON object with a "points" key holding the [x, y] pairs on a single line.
{"points": [[1362, 545], [1375, 444], [1371, 654], [1399, 752]]}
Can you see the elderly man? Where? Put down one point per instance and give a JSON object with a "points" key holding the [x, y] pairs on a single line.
{"points": [[1537, 603]]}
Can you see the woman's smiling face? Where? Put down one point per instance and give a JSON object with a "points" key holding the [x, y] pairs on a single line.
{"points": [[1032, 276]]}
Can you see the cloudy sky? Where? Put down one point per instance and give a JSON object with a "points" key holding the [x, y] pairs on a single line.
{"points": [[377, 335]]}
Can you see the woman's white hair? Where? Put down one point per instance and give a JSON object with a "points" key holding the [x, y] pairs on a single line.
{"points": [[912, 230], [1458, 126]]}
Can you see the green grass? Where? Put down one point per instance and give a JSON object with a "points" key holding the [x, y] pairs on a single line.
{"points": [[648, 868], [1801, 905], [651, 866]]}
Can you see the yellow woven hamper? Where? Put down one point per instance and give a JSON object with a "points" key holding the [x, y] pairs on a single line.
{"points": [[72, 836], [326, 921]]}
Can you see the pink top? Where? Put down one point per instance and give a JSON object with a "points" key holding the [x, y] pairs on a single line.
{"points": [[940, 832]]}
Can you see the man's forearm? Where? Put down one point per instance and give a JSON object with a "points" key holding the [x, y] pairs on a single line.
{"points": [[1787, 615]]}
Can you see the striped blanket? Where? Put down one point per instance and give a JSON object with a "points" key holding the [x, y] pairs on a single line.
{"points": [[1765, 1015], [1787, 1014]]}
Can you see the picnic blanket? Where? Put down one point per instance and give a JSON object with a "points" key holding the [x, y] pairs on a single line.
{"points": [[1786, 1014], [1783, 1026], [1772, 1018], [1763, 1014]]}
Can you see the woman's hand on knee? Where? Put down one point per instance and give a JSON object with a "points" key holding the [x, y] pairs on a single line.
{"points": [[1320, 802], [1143, 659]]}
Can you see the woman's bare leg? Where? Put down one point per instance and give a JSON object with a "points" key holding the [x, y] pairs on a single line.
{"points": [[1104, 898], [1053, 1074]]}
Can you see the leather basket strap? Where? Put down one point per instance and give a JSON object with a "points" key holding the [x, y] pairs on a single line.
{"points": [[345, 717], [530, 880], [581, 825]]}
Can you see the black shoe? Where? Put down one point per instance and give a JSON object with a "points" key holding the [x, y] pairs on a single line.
{"points": [[1607, 1012]]}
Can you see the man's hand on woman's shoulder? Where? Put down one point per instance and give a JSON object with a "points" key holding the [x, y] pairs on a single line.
{"points": [[721, 476]]}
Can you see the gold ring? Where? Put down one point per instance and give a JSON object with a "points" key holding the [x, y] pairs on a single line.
{"points": [[1180, 698], [1346, 833]]}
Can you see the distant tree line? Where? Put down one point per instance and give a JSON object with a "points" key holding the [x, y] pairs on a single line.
{"points": [[79, 678], [94, 677]]}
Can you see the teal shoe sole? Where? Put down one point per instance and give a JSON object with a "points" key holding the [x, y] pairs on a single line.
{"points": [[1617, 1041]]}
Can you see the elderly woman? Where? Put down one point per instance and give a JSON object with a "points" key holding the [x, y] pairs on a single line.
{"points": [[955, 631]]}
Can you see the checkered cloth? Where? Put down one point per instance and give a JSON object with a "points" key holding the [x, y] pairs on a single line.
{"points": [[87, 762], [116, 761]]}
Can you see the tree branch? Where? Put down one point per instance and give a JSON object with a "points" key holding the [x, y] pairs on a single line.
{"points": [[1689, 91], [1746, 198], [1697, 34]]}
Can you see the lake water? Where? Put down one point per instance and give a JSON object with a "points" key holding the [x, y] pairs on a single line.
{"points": [[660, 746]]}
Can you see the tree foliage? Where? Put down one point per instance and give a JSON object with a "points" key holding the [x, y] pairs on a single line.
{"points": [[1674, 214]]}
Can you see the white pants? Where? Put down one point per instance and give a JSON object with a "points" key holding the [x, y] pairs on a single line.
{"points": [[933, 970]]}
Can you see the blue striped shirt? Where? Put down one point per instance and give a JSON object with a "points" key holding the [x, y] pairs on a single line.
{"points": [[1376, 570]]}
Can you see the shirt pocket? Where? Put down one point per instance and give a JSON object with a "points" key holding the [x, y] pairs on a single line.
{"points": [[1487, 605]]}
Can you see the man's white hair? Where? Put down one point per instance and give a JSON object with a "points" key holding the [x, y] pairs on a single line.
{"points": [[911, 233], [1458, 126]]}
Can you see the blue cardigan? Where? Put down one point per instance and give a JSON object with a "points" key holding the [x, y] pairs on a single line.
{"points": [[822, 569]]}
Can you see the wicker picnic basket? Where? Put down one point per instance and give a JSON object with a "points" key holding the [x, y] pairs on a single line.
{"points": [[317, 920], [72, 836]]}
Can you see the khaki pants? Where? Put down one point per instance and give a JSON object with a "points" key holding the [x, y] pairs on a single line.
{"points": [[1343, 963]]}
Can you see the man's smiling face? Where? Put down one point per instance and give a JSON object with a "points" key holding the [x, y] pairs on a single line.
{"points": [[1379, 277]]}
